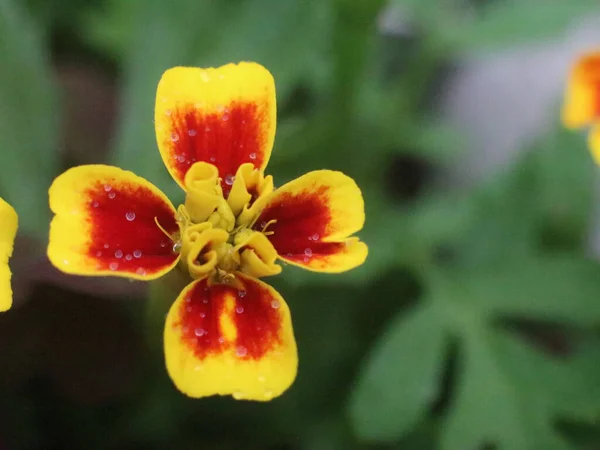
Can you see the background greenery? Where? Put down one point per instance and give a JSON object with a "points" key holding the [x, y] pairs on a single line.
{"points": [[472, 326]]}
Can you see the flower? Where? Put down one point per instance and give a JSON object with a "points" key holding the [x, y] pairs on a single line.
{"points": [[228, 333], [8, 231], [581, 106]]}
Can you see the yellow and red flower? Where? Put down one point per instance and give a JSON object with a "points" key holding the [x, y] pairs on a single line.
{"points": [[227, 333], [8, 231], [581, 106]]}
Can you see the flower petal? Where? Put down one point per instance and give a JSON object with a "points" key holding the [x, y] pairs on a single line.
{"points": [[594, 142], [230, 339], [309, 219], [8, 231], [106, 224], [582, 96], [224, 116]]}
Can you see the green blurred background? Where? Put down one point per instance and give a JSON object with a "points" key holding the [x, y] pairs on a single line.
{"points": [[474, 324]]}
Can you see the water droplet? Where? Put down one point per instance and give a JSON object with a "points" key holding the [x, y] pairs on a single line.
{"points": [[106, 245], [192, 132], [98, 254], [262, 379], [107, 187], [128, 257], [199, 332], [130, 216], [225, 117], [241, 351], [163, 244], [207, 129], [137, 253], [113, 266], [174, 137], [239, 309], [176, 247], [205, 301], [167, 112], [229, 179], [118, 254], [202, 315], [204, 76], [241, 293], [141, 271], [306, 259], [66, 261], [308, 251], [252, 155], [189, 308], [275, 304], [111, 195], [95, 203], [181, 158], [288, 254], [315, 237], [220, 108], [221, 339], [188, 298]]}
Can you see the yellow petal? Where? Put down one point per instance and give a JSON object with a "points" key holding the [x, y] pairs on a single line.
{"points": [[309, 221], [106, 224], [582, 95], [230, 339], [594, 142], [8, 231], [224, 116]]}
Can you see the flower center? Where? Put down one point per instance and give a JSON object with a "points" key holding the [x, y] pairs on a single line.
{"points": [[216, 235]]}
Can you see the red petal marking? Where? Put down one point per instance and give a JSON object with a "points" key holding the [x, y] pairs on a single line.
{"points": [[257, 320], [124, 234], [226, 139], [301, 222]]}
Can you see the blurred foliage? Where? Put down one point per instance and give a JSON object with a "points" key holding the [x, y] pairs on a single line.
{"points": [[473, 324]]}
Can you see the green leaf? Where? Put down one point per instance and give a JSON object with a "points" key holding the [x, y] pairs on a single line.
{"points": [[564, 289], [29, 124], [495, 404], [399, 380]]}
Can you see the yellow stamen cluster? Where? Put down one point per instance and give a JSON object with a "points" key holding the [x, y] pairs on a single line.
{"points": [[216, 237]]}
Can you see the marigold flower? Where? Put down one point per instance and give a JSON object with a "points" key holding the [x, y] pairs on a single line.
{"points": [[227, 333], [581, 106], [8, 231]]}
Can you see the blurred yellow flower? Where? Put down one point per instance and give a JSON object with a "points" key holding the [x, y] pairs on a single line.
{"points": [[227, 333], [581, 106], [8, 231]]}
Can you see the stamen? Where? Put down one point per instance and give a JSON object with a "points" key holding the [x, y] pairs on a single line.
{"points": [[166, 233], [264, 228]]}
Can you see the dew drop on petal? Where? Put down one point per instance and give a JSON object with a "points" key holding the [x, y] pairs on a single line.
{"points": [[106, 245], [202, 315], [111, 195], [241, 351], [252, 155], [95, 203], [192, 132], [174, 137], [207, 129], [128, 257], [113, 266], [130, 216], [229, 179], [199, 332], [308, 251], [212, 159], [118, 254], [141, 271], [275, 304], [107, 187], [177, 247], [98, 254], [220, 108], [239, 309], [315, 237], [225, 117], [167, 112], [241, 294], [180, 158], [137, 253], [221, 339]]}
